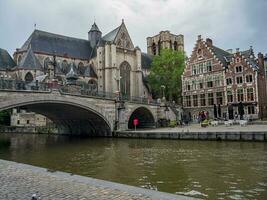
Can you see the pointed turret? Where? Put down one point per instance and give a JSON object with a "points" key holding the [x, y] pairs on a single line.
{"points": [[94, 35]]}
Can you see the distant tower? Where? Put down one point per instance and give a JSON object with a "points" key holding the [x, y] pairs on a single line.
{"points": [[164, 40], [94, 35]]}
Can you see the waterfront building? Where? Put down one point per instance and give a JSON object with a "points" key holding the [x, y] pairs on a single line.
{"points": [[111, 62], [215, 76], [22, 118]]}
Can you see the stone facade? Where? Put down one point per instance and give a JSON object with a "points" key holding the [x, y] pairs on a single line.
{"points": [[27, 119], [164, 40], [214, 76]]}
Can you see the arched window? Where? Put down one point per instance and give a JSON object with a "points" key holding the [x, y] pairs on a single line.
{"points": [[81, 68], [46, 63], [64, 67], [125, 72], [175, 46], [28, 77], [92, 85], [154, 48]]}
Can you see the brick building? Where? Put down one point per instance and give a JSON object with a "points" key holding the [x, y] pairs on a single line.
{"points": [[215, 76]]}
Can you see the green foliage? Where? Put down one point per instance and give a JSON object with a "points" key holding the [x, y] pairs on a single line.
{"points": [[5, 118], [166, 70]]}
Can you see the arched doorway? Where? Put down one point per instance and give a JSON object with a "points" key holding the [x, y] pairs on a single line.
{"points": [[144, 116], [28, 77], [125, 83]]}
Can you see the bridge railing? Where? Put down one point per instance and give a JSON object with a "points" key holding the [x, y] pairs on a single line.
{"points": [[16, 85], [7, 84]]}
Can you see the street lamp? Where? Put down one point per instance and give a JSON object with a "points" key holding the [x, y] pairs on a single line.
{"points": [[163, 92]]}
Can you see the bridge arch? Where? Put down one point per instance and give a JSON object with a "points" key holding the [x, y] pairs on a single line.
{"points": [[145, 117], [70, 115]]}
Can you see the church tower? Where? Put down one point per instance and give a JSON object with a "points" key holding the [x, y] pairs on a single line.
{"points": [[94, 35], [164, 40]]}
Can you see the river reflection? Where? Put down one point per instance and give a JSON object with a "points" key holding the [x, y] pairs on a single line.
{"points": [[205, 169]]}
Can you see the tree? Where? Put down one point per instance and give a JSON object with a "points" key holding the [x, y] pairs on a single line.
{"points": [[5, 118], [166, 70]]}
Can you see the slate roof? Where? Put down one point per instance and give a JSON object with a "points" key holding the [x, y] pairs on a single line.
{"points": [[29, 61], [94, 27], [221, 55], [6, 61], [249, 56], [146, 61], [60, 45], [111, 35]]}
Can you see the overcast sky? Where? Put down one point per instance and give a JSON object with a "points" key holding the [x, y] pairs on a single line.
{"points": [[230, 23]]}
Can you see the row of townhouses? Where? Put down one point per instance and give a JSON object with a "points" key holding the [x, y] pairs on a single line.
{"points": [[213, 76]]}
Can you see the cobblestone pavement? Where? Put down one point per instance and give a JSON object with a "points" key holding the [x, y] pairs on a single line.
{"points": [[20, 181]]}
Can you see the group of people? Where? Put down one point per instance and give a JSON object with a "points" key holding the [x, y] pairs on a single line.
{"points": [[202, 116]]}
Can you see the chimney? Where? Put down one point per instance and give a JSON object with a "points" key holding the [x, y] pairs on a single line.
{"points": [[209, 42], [261, 61]]}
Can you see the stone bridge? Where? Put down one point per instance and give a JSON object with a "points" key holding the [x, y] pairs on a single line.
{"points": [[81, 114]]}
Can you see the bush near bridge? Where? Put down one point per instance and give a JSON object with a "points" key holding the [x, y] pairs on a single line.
{"points": [[5, 118]]}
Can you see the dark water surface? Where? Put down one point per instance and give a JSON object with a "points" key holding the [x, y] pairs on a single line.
{"points": [[205, 169]]}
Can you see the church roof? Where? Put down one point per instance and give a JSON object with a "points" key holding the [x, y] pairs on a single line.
{"points": [[94, 27], [146, 60], [50, 43], [111, 35], [30, 61], [6, 61]]}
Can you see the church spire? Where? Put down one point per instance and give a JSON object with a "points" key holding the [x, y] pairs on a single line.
{"points": [[94, 35]]}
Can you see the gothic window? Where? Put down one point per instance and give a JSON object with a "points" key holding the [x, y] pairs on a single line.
{"points": [[154, 49], [250, 95], [119, 42], [125, 72], [175, 46], [46, 63], [28, 77], [81, 68], [64, 67]]}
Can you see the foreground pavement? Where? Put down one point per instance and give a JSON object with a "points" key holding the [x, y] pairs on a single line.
{"points": [[21, 181]]}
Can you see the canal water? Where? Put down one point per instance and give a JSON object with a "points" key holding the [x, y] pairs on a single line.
{"points": [[205, 169]]}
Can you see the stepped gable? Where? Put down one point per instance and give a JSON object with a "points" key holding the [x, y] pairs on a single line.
{"points": [[30, 61], [50, 43], [6, 61]]}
